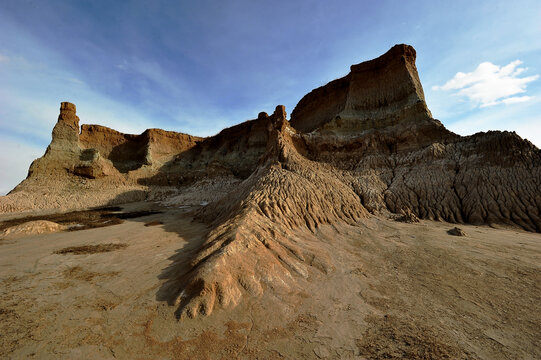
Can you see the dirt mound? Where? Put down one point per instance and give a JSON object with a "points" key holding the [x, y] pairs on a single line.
{"points": [[252, 246], [35, 227]]}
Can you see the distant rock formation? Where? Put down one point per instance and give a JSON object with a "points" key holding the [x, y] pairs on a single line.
{"points": [[63, 151], [95, 151], [362, 144]]}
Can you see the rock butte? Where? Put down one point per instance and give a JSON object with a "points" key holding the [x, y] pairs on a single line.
{"points": [[363, 144]]}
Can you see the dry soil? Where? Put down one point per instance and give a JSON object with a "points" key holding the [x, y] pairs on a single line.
{"points": [[397, 290]]}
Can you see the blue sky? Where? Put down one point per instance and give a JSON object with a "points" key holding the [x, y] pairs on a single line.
{"points": [[200, 66]]}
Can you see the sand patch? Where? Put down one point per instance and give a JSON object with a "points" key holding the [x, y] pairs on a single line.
{"points": [[31, 228]]}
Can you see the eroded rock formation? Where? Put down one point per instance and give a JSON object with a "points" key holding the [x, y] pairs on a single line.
{"points": [[252, 245], [378, 93], [95, 151], [362, 144]]}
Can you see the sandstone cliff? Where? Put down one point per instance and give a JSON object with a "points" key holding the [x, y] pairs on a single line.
{"points": [[375, 94], [363, 144]]}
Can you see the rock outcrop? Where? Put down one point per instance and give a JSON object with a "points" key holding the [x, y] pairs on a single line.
{"points": [[401, 159], [129, 152], [253, 245], [95, 151], [375, 94], [362, 144], [456, 232], [63, 151]]}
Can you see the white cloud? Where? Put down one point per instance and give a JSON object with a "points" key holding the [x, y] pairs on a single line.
{"points": [[490, 84], [516, 99], [4, 58]]}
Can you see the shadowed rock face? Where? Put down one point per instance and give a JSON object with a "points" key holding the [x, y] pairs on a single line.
{"points": [[130, 152], [362, 144]]}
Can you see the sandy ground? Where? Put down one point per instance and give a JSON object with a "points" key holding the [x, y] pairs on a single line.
{"points": [[398, 291]]}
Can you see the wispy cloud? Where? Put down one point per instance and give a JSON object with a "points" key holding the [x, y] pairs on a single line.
{"points": [[517, 99], [76, 81], [490, 84], [4, 58]]}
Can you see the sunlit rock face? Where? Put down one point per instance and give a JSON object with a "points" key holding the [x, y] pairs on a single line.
{"points": [[375, 94]]}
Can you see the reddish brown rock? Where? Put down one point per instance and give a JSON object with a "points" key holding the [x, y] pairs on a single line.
{"points": [[129, 152]]}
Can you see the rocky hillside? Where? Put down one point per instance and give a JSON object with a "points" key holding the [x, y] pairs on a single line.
{"points": [[362, 144]]}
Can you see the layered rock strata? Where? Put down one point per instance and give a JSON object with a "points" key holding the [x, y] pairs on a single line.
{"points": [[375, 94], [95, 151], [253, 245], [401, 159]]}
